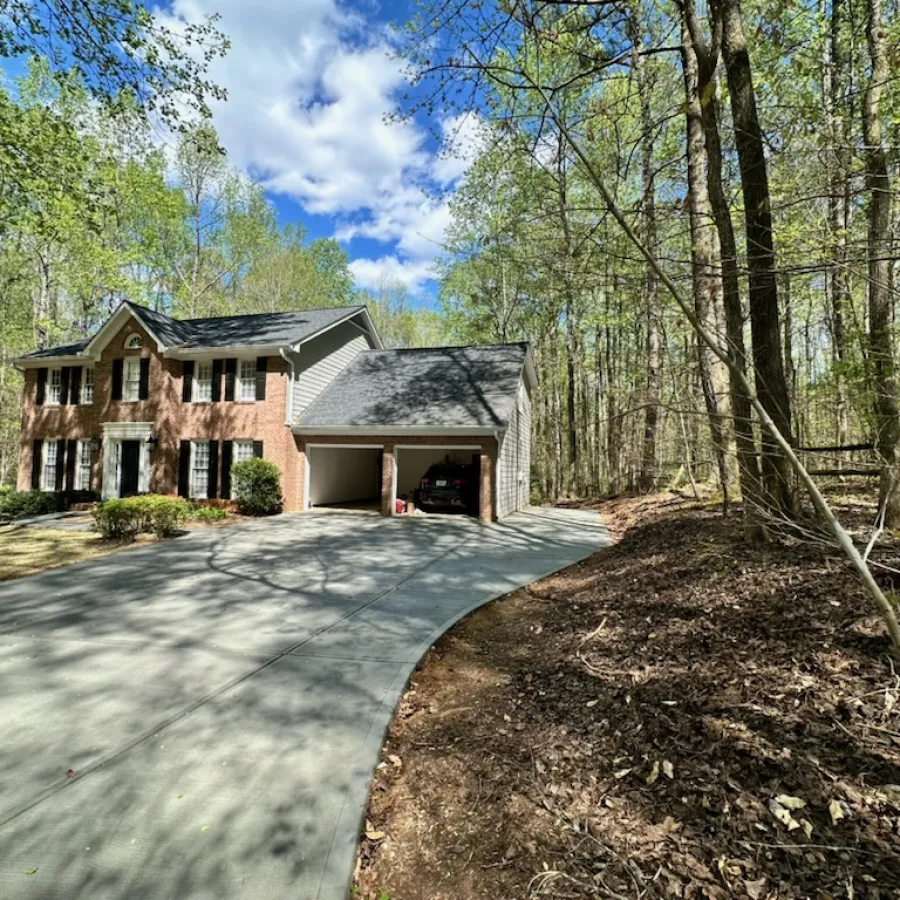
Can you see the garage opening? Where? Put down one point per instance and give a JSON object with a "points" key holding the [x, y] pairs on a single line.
{"points": [[453, 475], [344, 476]]}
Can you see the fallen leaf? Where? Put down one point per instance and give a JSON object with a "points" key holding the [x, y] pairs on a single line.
{"points": [[622, 773], [395, 760], [807, 827], [836, 811], [668, 769], [654, 773], [31, 871], [789, 802], [375, 835], [783, 815], [204, 827], [591, 703], [755, 889]]}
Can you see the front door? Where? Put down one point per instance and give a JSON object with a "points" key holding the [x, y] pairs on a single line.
{"points": [[129, 473]]}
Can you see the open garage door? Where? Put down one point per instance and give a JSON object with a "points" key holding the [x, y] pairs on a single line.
{"points": [[344, 475], [414, 462]]}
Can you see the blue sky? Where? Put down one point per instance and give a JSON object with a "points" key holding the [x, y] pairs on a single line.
{"points": [[309, 85]]}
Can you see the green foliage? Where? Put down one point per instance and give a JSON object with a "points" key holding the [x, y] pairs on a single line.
{"points": [[124, 519], [256, 484], [25, 504], [208, 513]]}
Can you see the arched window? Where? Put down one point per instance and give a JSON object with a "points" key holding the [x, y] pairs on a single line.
{"points": [[135, 342]]}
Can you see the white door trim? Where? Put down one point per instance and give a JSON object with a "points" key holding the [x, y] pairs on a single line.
{"points": [[113, 435]]}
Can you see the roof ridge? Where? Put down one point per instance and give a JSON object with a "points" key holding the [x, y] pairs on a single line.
{"points": [[282, 312], [447, 347]]}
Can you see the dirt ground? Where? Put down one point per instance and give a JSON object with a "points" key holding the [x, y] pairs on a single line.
{"points": [[682, 715]]}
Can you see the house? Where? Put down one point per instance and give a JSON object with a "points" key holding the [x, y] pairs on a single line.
{"points": [[151, 403]]}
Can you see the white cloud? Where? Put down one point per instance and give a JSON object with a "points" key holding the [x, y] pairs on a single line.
{"points": [[309, 85], [373, 273]]}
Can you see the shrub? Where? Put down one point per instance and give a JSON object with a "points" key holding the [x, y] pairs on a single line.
{"points": [[124, 519], [208, 513], [24, 504], [256, 487]]}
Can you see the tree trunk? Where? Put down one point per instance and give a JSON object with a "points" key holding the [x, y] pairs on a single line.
{"points": [[649, 473], [768, 363], [748, 461], [706, 284], [878, 252]]}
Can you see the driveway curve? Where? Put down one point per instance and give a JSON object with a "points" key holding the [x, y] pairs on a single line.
{"points": [[200, 720]]}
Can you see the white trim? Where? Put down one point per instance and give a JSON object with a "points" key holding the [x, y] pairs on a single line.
{"points": [[127, 431], [307, 504], [124, 308], [437, 446], [195, 387], [289, 393], [352, 446], [247, 350], [113, 435], [357, 311], [447, 431], [394, 468], [48, 388]]}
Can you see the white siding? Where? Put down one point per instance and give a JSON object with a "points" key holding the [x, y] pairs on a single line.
{"points": [[514, 464], [320, 360]]}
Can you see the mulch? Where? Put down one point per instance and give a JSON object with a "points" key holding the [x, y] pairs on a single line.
{"points": [[682, 715]]}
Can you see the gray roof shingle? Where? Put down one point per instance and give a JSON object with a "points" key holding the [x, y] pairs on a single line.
{"points": [[255, 330], [452, 387]]}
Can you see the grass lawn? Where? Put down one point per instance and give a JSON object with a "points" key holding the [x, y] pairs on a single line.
{"points": [[25, 551]]}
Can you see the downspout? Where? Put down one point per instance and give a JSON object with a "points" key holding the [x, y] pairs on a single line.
{"points": [[289, 413]]}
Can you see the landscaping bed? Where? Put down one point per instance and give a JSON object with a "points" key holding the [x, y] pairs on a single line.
{"points": [[682, 715]]}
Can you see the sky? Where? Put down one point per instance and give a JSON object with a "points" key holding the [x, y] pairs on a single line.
{"points": [[310, 83]]}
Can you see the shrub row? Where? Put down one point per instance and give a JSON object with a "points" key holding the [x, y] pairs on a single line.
{"points": [[25, 504], [124, 519]]}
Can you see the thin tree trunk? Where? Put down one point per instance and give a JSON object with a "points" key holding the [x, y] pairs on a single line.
{"points": [[768, 363], [881, 350]]}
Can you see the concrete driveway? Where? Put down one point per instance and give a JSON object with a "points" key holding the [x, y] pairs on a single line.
{"points": [[221, 699]]}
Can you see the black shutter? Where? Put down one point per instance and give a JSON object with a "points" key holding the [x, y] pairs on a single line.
{"points": [[64, 378], [187, 380], [216, 380], [262, 366], [230, 372], [71, 459], [184, 469], [118, 365], [75, 386], [227, 448], [41, 387], [37, 459], [258, 449], [60, 464], [144, 383], [212, 484]]}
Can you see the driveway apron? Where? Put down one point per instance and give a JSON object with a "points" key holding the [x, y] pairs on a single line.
{"points": [[201, 719]]}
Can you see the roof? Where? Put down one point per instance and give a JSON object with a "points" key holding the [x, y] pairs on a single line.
{"points": [[254, 330], [453, 387]]}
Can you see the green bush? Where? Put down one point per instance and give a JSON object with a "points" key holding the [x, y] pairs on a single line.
{"points": [[256, 487], [24, 504], [123, 519], [208, 513]]}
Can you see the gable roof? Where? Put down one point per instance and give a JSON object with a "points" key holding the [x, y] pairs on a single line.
{"points": [[441, 387], [256, 330]]}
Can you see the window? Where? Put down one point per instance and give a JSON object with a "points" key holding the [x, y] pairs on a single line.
{"points": [[54, 392], [83, 472], [51, 460], [135, 342], [87, 385], [199, 469], [246, 386], [203, 382], [242, 450], [131, 378]]}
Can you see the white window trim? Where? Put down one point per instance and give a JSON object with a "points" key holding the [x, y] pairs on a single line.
{"points": [[235, 458], [85, 370], [196, 392], [134, 342], [129, 362], [238, 381], [45, 452], [205, 489], [83, 447], [49, 399]]}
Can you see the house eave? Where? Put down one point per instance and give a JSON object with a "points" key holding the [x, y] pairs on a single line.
{"points": [[400, 431]]}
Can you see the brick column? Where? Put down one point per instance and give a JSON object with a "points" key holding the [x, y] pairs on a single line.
{"points": [[299, 500], [387, 480], [486, 489]]}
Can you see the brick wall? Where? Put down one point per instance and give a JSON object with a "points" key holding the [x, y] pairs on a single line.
{"points": [[173, 419]]}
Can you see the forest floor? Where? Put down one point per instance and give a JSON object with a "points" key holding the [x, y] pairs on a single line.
{"points": [[682, 715]]}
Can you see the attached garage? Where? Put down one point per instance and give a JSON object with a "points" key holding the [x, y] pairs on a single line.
{"points": [[343, 474], [471, 404]]}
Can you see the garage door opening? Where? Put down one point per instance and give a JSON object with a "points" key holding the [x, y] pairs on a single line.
{"points": [[344, 477], [414, 463]]}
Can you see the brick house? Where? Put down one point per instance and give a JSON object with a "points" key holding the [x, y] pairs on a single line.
{"points": [[154, 404]]}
